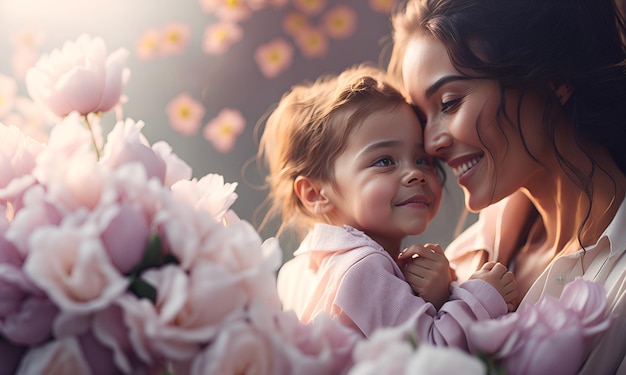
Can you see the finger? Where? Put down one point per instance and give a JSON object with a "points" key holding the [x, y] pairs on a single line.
{"points": [[435, 248], [410, 252], [453, 276], [488, 266], [499, 269], [419, 271]]}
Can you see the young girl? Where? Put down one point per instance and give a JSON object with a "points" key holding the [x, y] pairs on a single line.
{"points": [[347, 168]]}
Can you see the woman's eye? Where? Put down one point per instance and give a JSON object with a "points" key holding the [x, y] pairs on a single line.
{"points": [[450, 105], [383, 162]]}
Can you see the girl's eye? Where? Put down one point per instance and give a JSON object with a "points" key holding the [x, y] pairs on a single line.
{"points": [[383, 162], [422, 162]]}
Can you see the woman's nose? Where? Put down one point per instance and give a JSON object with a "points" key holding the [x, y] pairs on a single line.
{"points": [[436, 139]]}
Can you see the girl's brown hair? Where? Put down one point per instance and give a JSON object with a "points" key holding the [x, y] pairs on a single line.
{"points": [[309, 128]]}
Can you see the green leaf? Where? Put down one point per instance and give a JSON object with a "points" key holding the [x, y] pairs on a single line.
{"points": [[142, 289]]}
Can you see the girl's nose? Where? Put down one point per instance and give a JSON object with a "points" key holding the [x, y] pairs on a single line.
{"points": [[436, 139], [415, 176]]}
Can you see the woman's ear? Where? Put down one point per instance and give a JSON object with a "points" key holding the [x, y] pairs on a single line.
{"points": [[562, 90], [311, 194]]}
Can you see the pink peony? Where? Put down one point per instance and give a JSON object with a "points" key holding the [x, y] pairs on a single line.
{"points": [[240, 348], [175, 168], [126, 144], [536, 338], [189, 311], [73, 269], [26, 315], [396, 351], [17, 154], [210, 194], [80, 77], [59, 357]]}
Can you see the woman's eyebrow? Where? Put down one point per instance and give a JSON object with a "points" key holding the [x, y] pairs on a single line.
{"points": [[442, 81]]}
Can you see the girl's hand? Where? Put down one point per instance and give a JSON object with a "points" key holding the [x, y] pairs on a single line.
{"points": [[428, 272]]}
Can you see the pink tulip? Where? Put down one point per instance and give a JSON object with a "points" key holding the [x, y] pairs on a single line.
{"points": [[80, 77]]}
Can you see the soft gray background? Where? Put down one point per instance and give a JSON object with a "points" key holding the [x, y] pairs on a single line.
{"points": [[229, 80]]}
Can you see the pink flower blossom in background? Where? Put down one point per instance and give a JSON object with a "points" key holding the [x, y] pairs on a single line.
{"points": [[79, 77], [310, 7], [257, 5], [26, 46], [312, 42], [32, 119], [210, 6], [233, 10], [175, 38], [536, 338], [8, 92], [218, 37], [295, 22], [340, 22], [274, 57], [22, 60], [148, 45], [185, 114], [224, 129], [383, 6], [28, 39]]}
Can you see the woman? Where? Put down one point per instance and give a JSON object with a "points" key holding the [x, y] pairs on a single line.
{"points": [[525, 100]]}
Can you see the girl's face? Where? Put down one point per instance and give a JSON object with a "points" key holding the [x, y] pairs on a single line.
{"points": [[489, 161], [385, 182]]}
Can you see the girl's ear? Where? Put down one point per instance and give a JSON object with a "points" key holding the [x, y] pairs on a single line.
{"points": [[562, 90], [311, 195]]}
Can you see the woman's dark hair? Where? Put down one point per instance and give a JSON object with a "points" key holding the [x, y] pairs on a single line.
{"points": [[525, 44], [528, 45]]}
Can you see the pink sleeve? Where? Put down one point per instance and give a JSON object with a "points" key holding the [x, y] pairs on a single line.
{"points": [[371, 296]]}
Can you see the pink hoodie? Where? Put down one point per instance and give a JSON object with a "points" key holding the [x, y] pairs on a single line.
{"points": [[343, 272]]}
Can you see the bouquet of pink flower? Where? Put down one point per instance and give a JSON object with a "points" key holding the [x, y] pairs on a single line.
{"points": [[551, 336], [114, 260]]}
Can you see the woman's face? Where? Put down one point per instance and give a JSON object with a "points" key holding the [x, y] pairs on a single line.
{"points": [[489, 161]]}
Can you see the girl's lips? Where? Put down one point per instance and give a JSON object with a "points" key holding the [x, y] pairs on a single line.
{"points": [[417, 199], [462, 167]]}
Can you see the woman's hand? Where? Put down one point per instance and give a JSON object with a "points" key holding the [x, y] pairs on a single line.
{"points": [[496, 274]]}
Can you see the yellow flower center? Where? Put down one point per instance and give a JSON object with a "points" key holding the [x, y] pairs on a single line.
{"points": [[226, 129], [184, 111]]}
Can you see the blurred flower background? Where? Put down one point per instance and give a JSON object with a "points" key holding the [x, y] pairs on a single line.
{"points": [[204, 72]]}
